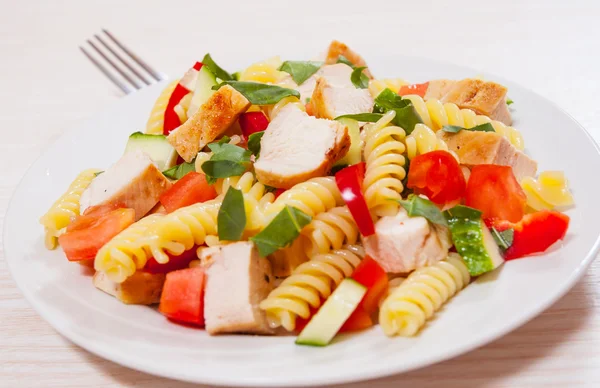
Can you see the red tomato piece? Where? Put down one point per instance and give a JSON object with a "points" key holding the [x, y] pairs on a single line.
{"points": [[349, 181], [91, 215], [370, 274], [190, 189], [359, 320], [253, 122], [278, 192], [418, 89], [437, 175], [496, 192], [89, 235], [175, 262], [534, 233], [182, 297]]}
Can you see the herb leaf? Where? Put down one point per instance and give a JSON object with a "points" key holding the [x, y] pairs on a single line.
{"points": [[254, 142], [300, 70], [359, 79], [406, 115], [98, 173], [485, 127], [216, 69], [461, 211], [345, 61], [504, 239], [509, 101], [417, 206], [260, 94], [227, 160], [365, 117], [231, 219], [282, 231], [179, 171]]}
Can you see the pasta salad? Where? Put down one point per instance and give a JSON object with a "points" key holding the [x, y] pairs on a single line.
{"points": [[310, 197]]}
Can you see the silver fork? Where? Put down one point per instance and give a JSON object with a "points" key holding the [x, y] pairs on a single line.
{"points": [[132, 67]]}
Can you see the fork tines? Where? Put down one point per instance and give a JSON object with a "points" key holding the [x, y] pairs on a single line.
{"points": [[133, 72]]}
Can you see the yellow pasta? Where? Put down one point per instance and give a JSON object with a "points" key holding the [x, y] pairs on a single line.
{"points": [[421, 294], [436, 114], [377, 86], [385, 165], [156, 120], [267, 72], [549, 191], [311, 282], [423, 140], [182, 108], [66, 208], [329, 230]]}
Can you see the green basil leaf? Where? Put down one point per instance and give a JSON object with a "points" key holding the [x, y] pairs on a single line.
{"points": [[485, 127], [254, 142], [359, 79], [365, 117], [504, 239], [216, 69], [282, 231], [227, 160], [420, 207], [224, 139], [236, 76], [231, 220], [461, 211], [180, 170], [406, 115], [509, 101], [300, 70], [345, 61], [226, 151], [260, 94], [98, 173]]}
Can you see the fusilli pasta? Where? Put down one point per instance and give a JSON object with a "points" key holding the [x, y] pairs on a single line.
{"points": [[549, 191], [377, 86], [423, 140], [156, 120], [330, 230], [436, 114], [311, 282], [66, 208], [182, 108], [385, 165], [423, 292], [267, 72]]}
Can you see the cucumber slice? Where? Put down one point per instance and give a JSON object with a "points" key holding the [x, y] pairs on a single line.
{"points": [[156, 146], [206, 80], [354, 153], [473, 241], [331, 316]]}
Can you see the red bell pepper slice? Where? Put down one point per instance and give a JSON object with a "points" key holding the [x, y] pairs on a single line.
{"points": [[349, 181], [175, 262], [253, 122], [418, 89], [186, 85], [535, 233], [496, 192], [359, 320], [190, 189], [182, 298]]}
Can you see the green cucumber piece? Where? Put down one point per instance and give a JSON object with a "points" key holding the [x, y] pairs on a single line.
{"points": [[156, 146], [354, 153], [206, 80], [325, 324], [473, 240]]}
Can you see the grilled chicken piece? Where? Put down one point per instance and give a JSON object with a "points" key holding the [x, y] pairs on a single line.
{"points": [[337, 48], [337, 74], [475, 148], [484, 98], [332, 98], [140, 288], [438, 88], [297, 147], [238, 280], [213, 118], [134, 182], [402, 243]]}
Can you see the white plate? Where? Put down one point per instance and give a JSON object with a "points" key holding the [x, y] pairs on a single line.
{"points": [[139, 337]]}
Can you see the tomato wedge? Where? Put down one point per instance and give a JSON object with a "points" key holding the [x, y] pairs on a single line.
{"points": [[437, 175], [359, 320], [253, 122], [175, 262], [370, 274], [85, 237], [418, 89], [495, 191], [182, 297], [535, 233], [349, 181], [190, 189]]}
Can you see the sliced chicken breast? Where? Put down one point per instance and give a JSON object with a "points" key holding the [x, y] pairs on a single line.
{"points": [[337, 48], [438, 88], [213, 118], [331, 99], [402, 243], [337, 74], [484, 98], [238, 280], [475, 148], [134, 182], [297, 147], [140, 288]]}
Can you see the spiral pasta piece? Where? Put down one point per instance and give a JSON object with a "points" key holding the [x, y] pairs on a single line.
{"points": [[436, 114], [549, 191], [267, 72], [156, 120], [310, 283], [182, 108], [314, 196], [66, 208], [377, 86], [385, 165], [421, 294], [329, 230], [423, 140]]}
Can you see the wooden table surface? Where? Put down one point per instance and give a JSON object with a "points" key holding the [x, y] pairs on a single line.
{"points": [[47, 86]]}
